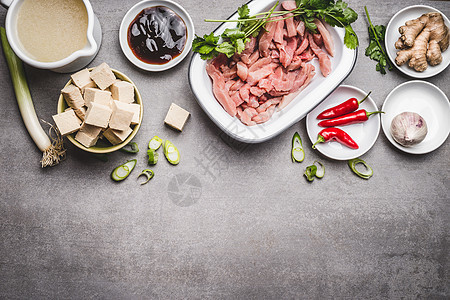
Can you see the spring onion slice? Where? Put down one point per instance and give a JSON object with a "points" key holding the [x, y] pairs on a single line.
{"points": [[310, 172], [155, 143], [52, 150], [298, 154], [320, 170], [368, 172], [131, 147], [122, 171], [171, 152], [147, 173], [152, 157]]}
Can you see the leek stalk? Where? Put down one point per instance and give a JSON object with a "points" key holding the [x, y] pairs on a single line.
{"points": [[53, 150]]}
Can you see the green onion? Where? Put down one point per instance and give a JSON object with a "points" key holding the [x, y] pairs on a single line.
{"points": [[122, 171], [152, 157], [147, 173], [53, 150], [368, 170], [171, 152], [310, 172], [133, 148], [155, 143], [320, 170], [297, 153]]}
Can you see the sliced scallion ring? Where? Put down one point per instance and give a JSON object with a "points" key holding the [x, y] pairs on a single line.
{"points": [[298, 154], [155, 143], [366, 174], [310, 172], [122, 171], [147, 173], [131, 147], [320, 170], [152, 157], [171, 152]]}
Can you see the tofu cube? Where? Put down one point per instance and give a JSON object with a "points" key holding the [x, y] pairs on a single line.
{"points": [[176, 117], [82, 79], [98, 115], [90, 130], [122, 91], [103, 76], [73, 97], [67, 122], [136, 108], [121, 116], [116, 136], [88, 135], [85, 139], [98, 96]]}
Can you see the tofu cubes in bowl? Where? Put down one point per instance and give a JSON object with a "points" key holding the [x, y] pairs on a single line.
{"points": [[99, 110]]}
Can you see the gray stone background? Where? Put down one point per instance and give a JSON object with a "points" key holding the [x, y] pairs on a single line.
{"points": [[227, 222]]}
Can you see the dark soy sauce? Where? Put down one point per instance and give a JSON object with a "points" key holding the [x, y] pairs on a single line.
{"points": [[157, 35]]}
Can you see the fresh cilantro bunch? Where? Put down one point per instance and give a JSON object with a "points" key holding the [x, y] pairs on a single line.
{"points": [[334, 13], [234, 40], [375, 51]]}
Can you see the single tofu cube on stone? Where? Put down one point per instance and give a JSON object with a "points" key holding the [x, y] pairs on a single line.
{"points": [[103, 76], [122, 91], [67, 122], [121, 116], [97, 96], [73, 98], [98, 115], [116, 136], [82, 79], [176, 117], [136, 108]]}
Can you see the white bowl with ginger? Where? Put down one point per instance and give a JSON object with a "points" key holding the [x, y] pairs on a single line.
{"points": [[421, 68]]}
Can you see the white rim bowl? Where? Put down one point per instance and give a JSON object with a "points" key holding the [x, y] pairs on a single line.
{"points": [[131, 15]]}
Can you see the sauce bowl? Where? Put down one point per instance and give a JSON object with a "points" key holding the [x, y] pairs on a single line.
{"points": [[131, 15]]}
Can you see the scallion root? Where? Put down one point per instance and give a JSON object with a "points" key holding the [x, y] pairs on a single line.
{"points": [[56, 151]]}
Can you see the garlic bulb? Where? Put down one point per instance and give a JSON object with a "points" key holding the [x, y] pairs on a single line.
{"points": [[408, 129]]}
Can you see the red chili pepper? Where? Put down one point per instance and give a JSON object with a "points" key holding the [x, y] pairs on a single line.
{"points": [[337, 134], [358, 116], [344, 108]]}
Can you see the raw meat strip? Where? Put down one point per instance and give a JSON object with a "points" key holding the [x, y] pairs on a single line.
{"points": [[324, 60], [326, 36]]}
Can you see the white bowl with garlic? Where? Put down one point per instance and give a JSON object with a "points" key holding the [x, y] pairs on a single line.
{"points": [[416, 118]]}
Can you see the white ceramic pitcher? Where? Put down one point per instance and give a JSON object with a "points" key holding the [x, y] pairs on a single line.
{"points": [[75, 61]]}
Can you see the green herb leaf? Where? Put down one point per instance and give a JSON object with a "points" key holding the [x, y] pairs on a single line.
{"points": [[350, 38], [206, 45], [375, 50], [226, 48], [244, 12]]}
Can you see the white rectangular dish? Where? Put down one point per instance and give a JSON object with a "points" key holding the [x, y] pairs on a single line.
{"points": [[318, 89]]}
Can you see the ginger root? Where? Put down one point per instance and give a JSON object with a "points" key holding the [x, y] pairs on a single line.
{"points": [[423, 40]]}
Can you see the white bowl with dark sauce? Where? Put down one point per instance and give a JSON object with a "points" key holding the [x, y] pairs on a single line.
{"points": [[156, 35]]}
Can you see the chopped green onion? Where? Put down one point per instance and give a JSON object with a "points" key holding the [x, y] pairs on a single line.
{"points": [[155, 143], [171, 152], [368, 172], [152, 157], [147, 173], [320, 170], [133, 148], [52, 150], [310, 172], [298, 154], [122, 171]]}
